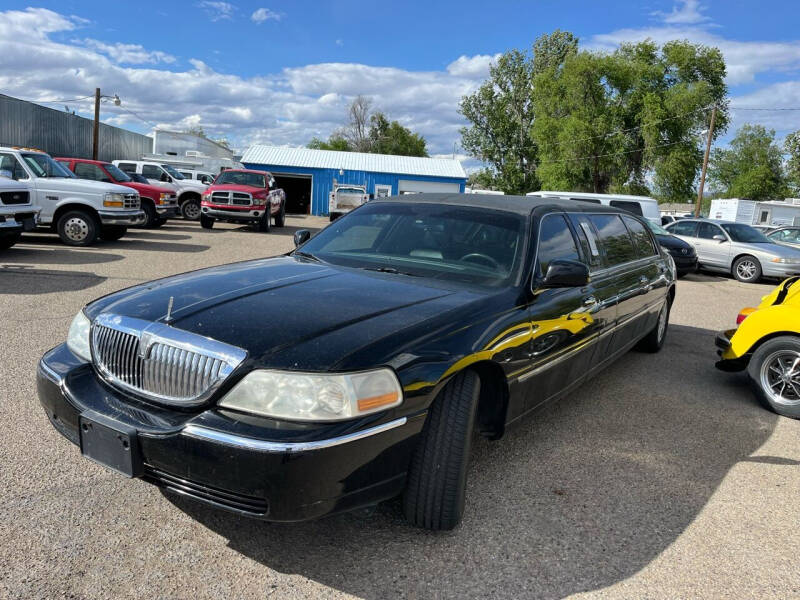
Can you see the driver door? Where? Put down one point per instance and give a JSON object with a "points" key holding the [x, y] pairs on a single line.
{"points": [[715, 253]]}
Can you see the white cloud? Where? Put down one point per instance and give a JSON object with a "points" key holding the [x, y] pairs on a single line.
{"points": [[339, 42], [474, 67], [686, 12], [132, 54], [218, 11], [265, 14]]}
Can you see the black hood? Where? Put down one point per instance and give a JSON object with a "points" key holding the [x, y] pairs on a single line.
{"points": [[670, 242], [292, 313]]}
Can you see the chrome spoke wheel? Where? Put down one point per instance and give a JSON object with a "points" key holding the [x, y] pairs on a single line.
{"points": [[746, 269], [780, 377], [191, 210], [76, 229]]}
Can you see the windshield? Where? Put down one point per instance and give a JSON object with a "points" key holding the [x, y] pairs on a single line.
{"points": [[172, 172], [657, 229], [117, 173], [745, 233], [241, 178], [475, 245], [350, 191], [44, 166]]}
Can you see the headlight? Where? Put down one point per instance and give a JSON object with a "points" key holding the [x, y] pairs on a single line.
{"points": [[295, 396], [114, 199], [163, 198], [787, 261], [78, 337]]}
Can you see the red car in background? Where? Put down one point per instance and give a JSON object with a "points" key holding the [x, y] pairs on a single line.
{"points": [[158, 203], [243, 196]]}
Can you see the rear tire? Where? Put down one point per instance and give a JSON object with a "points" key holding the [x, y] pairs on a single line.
{"points": [[7, 241], [206, 222], [280, 218], [437, 478], [746, 269], [766, 367], [654, 341], [111, 233], [77, 228], [190, 209]]}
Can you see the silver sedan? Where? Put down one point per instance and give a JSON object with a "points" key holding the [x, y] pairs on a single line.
{"points": [[738, 249]]}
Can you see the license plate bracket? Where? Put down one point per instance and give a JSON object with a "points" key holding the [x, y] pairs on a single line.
{"points": [[111, 444]]}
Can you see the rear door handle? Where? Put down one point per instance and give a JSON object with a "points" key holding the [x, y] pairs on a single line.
{"points": [[590, 301]]}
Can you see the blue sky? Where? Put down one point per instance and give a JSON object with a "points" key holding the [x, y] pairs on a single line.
{"points": [[283, 71]]}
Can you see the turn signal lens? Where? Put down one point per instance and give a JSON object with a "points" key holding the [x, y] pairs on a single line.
{"points": [[743, 314]]}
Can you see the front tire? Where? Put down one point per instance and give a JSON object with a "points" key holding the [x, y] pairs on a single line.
{"points": [[263, 222], [437, 479], [190, 209], [654, 341], [111, 233], [746, 269], [280, 218], [150, 216], [77, 228], [206, 222], [775, 376]]}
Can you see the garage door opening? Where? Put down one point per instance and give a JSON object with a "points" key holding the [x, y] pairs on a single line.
{"points": [[298, 192]]}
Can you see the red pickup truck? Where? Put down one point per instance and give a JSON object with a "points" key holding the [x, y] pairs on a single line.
{"points": [[158, 203], [243, 196]]}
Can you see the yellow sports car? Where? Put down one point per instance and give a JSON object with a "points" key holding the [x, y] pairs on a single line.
{"points": [[767, 344]]}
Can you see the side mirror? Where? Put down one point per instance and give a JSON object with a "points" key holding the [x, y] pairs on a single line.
{"points": [[301, 236], [566, 273], [7, 174], [720, 238]]}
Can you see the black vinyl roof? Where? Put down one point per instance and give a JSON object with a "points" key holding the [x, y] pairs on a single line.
{"points": [[523, 205]]}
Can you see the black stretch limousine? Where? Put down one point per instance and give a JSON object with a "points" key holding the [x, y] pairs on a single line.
{"points": [[356, 367]]}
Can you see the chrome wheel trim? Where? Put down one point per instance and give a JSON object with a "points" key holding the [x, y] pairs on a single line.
{"points": [[779, 377], [746, 269], [662, 322], [76, 229], [191, 210]]}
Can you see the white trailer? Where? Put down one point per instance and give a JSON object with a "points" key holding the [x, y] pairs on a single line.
{"points": [[733, 209], [751, 212]]}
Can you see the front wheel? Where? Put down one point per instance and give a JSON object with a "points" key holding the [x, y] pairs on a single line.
{"points": [[654, 340], [437, 479], [77, 228], [263, 222], [111, 233], [280, 218], [206, 222], [190, 209], [150, 216], [774, 371], [6, 241], [747, 269]]}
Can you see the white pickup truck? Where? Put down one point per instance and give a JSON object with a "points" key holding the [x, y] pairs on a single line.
{"points": [[344, 198], [188, 191], [17, 213], [79, 210]]}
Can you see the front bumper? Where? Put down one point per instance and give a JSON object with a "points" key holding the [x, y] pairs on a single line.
{"points": [[780, 271], [685, 264], [168, 212], [18, 222], [122, 217], [252, 466], [232, 213]]}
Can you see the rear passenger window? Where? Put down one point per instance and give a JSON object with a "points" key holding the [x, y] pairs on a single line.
{"points": [[641, 238], [555, 242], [631, 207], [614, 239], [587, 238], [127, 167], [687, 228]]}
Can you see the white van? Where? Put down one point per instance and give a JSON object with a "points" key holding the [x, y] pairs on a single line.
{"points": [[638, 205]]}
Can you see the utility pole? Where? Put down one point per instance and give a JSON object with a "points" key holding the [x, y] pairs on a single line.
{"points": [[96, 131], [705, 163]]}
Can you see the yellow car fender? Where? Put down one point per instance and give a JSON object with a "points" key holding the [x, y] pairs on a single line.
{"points": [[761, 323]]}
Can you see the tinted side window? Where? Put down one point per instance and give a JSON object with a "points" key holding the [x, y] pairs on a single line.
{"points": [[707, 231], [641, 237], [614, 238], [555, 242], [631, 207], [90, 171], [587, 238], [151, 171], [687, 228], [127, 167]]}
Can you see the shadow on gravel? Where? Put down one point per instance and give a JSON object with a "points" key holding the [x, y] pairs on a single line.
{"points": [[56, 256], [154, 234], [584, 494], [28, 280], [127, 242]]}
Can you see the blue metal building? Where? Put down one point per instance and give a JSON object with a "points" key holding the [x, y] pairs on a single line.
{"points": [[308, 175]]}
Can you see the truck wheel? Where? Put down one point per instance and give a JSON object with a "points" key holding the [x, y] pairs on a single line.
{"points": [[280, 218], [437, 478], [159, 223], [334, 216], [747, 269], [774, 375], [190, 209], [6, 241], [77, 228], [150, 216], [206, 222], [111, 233], [263, 222]]}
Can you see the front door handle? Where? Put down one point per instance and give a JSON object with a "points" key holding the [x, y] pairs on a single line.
{"points": [[590, 301]]}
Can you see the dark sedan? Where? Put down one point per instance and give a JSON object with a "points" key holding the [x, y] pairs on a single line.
{"points": [[357, 367], [682, 252]]}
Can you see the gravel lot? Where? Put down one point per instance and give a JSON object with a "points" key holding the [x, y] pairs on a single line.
{"points": [[661, 478]]}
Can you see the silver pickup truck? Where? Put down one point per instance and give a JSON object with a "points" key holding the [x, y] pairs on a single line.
{"points": [[17, 213], [344, 198]]}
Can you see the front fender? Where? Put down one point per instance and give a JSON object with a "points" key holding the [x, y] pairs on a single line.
{"points": [[762, 323]]}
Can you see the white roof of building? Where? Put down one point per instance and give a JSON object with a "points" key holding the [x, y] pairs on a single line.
{"points": [[353, 161]]}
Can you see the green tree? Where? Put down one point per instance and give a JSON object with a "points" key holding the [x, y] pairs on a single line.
{"points": [[791, 147], [392, 138], [752, 167], [501, 112], [334, 142], [483, 179]]}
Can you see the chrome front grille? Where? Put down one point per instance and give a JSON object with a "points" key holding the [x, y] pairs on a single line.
{"points": [[131, 201], [236, 198], [160, 362]]}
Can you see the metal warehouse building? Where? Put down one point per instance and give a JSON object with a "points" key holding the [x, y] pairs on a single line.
{"points": [[307, 176]]}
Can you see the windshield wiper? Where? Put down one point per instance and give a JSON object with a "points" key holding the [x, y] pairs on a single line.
{"points": [[391, 270], [307, 255]]}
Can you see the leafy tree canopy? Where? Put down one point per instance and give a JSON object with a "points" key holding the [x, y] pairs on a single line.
{"points": [[791, 147]]}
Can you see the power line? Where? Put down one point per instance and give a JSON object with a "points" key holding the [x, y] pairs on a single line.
{"points": [[753, 108], [57, 101]]}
